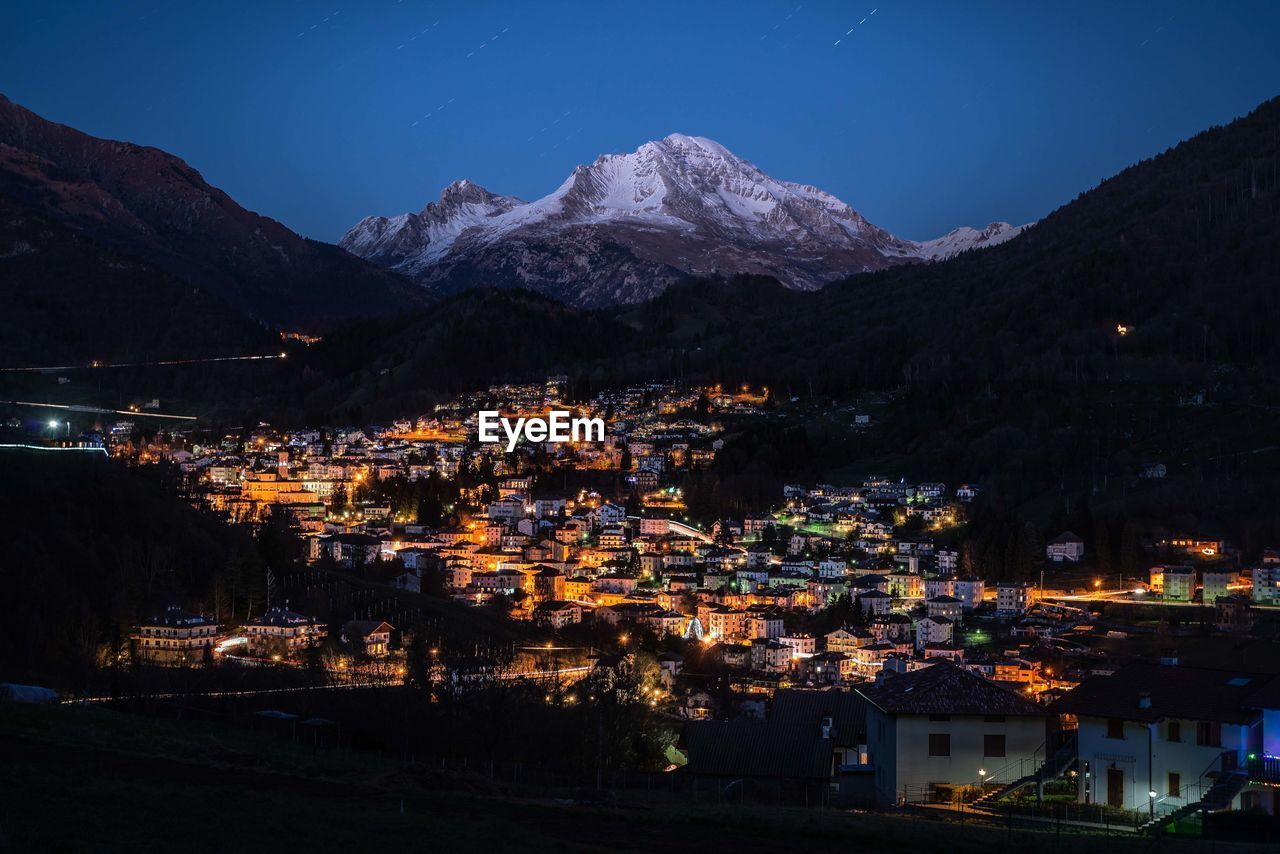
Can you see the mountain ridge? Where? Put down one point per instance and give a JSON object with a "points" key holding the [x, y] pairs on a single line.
{"points": [[677, 207], [153, 205]]}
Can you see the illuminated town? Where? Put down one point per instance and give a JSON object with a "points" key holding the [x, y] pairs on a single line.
{"points": [[828, 601], [673, 427]]}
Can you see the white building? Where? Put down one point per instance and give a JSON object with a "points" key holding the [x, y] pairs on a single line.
{"points": [[510, 508], [874, 603], [939, 585], [1217, 584], [764, 625], [801, 644], [934, 630], [1266, 584], [1176, 731], [969, 591], [1065, 547], [175, 637], [945, 726], [1179, 583], [832, 568], [282, 632], [609, 514], [948, 607]]}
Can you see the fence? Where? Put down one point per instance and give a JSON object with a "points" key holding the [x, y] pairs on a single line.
{"points": [[599, 783]]}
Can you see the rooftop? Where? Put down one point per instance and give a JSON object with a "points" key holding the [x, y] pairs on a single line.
{"points": [[944, 689]]}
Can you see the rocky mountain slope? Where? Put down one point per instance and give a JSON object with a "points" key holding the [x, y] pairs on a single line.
{"points": [[626, 227], [150, 204]]}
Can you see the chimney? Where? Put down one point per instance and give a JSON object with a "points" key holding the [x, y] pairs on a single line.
{"points": [[1144, 700]]}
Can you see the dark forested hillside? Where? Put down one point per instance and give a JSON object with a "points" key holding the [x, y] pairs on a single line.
{"points": [[68, 299], [151, 205], [94, 548], [393, 365]]}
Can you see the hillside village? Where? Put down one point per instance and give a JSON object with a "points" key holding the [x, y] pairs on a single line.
{"points": [[845, 618]]}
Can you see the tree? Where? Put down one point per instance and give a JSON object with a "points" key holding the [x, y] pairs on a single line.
{"points": [[1132, 559], [1102, 546], [339, 501], [277, 538], [857, 610]]}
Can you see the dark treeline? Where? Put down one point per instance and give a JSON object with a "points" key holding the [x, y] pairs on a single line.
{"points": [[93, 549], [749, 472]]}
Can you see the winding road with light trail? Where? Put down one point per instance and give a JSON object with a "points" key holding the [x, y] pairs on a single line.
{"points": [[160, 363], [97, 410]]}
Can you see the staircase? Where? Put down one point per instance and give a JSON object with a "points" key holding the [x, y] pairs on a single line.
{"points": [[1218, 797], [1055, 766]]}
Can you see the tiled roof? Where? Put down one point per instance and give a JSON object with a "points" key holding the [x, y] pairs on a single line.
{"points": [[943, 689], [555, 605], [364, 628], [175, 616], [752, 748], [802, 708], [281, 617], [1174, 691]]}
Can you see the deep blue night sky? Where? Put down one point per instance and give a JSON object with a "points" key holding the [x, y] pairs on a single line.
{"points": [[927, 116]]}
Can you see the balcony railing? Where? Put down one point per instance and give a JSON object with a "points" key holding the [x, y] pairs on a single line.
{"points": [[1262, 768]]}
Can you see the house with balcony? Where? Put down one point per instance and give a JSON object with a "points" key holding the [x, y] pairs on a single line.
{"points": [[1174, 739], [1266, 584], [371, 637], [280, 633], [1065, 547], [556, 614], [945, 606], [1013, 598], [1179, 584], [174, 637]]}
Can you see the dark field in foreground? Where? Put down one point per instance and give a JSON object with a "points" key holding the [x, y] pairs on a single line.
{"points": [[81, 778]]}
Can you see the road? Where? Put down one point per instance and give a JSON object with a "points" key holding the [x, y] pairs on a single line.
{"points": [[173, 695]]}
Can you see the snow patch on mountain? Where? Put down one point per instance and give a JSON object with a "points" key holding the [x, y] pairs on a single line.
{"points": [[965, 238]]}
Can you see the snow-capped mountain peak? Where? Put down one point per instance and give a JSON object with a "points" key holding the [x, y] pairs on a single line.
{"points": [[429, 234], [627, 225]]}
